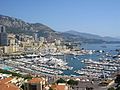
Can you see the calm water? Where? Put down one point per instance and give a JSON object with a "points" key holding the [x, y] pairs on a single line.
{"points": [[99, 46], [75, 62]]}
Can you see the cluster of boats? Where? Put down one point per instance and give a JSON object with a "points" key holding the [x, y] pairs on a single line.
{"points": [[37, 64], [101, 68]]}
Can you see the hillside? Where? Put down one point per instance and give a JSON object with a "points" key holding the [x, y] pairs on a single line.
{"points": [[92, 37], [80, 39], [18, 26]]}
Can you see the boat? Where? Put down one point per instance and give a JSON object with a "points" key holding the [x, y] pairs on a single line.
{"points": [[31, 56]]}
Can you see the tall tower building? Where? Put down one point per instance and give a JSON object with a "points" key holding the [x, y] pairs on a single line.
{"points": [[35, 35], [3, 36]]}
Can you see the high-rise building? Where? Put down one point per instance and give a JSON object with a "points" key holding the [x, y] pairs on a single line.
{"points": [[2, 29], [42, 39], [3, 36], [35, 35]]}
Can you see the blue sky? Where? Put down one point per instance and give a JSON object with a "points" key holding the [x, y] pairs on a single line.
{"points": [[100, 17]]}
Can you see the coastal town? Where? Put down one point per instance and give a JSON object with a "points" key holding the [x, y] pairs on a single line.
{"points": [[59, 44], [31, 63]]}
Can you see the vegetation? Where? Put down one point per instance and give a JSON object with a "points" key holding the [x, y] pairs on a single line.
{"points": [[72, 82], [111, 88], [15, 74], [50, 88], [117, 80], [89, 88], [60, 81], [8, 72], [118, 88], [18, 31]]}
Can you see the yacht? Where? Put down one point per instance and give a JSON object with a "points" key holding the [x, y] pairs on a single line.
{"points": [[31, 56]]}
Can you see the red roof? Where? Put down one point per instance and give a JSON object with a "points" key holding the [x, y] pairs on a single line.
{"points": [[58, 87], [6, 85], [36, 80]]}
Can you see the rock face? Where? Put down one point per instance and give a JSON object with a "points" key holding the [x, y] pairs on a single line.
{"points": [[18, 26]]}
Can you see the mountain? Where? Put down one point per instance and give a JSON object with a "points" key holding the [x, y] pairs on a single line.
{"points": [[117, 37], [18, 26], [71, 37], [92, 37], [85, 35], [107, 38]]}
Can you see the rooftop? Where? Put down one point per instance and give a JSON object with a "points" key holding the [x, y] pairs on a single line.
{"points": [[6, 85], [6, 80], [59, 87], [36, 80]]}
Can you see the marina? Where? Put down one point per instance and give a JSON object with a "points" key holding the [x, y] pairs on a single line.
{"points": [[46, 65], [98, 62], [60, 45]]}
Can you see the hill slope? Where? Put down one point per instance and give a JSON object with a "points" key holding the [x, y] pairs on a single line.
{"points": [[92, 36], [18, 26]]}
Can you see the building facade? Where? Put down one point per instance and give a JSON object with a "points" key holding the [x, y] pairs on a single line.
{"points": [[35, 84], [3, 36]]}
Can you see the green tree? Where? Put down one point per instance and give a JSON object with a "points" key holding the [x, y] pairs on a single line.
{"points": [[111, 88], [118, 88], [50, 88], [117, 80], [72, 82], [60, 81]]}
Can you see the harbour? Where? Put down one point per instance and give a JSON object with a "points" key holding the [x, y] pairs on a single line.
{"points": [[97, 62]]}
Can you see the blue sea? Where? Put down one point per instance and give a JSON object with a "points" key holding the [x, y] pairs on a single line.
{"points": [[75, 61]]}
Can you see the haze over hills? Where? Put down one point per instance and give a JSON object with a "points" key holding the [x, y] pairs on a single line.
{"points": [[18, 26], [92, 36]]}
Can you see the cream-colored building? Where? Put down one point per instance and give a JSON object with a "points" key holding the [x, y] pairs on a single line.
{"points": [[11, 49], [35, 84], [11, 39]]}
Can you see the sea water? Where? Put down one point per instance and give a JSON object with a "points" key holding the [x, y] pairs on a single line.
{"points": [[75, 61]]}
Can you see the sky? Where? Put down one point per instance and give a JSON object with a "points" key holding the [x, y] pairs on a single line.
{"points": [[101, 17]]}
